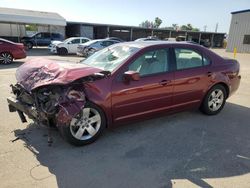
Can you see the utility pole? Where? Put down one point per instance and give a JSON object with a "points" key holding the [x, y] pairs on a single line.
{"points": [[205, 28], [216, 27]]}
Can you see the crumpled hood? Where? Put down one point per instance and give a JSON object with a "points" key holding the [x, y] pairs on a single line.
{"points": [[39, 72]]}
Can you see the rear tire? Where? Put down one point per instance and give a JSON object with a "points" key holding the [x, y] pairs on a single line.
{"points": [[62, 51], [214, 101], [85, 127], [6, 58]]}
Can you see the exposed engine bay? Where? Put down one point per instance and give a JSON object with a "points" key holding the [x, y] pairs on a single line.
{"points": [[50, 104]]}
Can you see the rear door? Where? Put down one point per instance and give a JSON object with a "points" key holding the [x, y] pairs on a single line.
{"points": [[191, 77], [42, 39], [151, 94]]}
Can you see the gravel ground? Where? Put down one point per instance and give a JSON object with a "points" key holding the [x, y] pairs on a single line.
{"points": [[187, 149]]}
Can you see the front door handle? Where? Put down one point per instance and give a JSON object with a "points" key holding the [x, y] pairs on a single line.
{"points": [[165, 82]]}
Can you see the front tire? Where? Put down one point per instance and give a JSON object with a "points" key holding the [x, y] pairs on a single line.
{"points": [[62, 51], [6, 58], [85, 127], [214, 101]]}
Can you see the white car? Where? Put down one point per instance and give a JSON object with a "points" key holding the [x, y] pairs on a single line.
{"points": [[68, 46]]}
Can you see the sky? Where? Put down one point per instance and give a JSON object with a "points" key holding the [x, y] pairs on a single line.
{"points": [[199, 13]]}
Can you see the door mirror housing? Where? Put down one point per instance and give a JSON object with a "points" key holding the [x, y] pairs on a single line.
{"points": [[131, 76]]}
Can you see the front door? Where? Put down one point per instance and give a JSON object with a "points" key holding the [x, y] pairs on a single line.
{"points": [[152, 93], [72, 46]]}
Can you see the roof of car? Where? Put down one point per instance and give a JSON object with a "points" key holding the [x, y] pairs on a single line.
{"points": [[143, 44], [78, 38]]}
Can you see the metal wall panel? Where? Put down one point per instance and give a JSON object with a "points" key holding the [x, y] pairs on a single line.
{"points": [[240, 26]]}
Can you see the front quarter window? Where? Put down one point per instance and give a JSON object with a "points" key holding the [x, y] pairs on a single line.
{"points": [[109, 59]]}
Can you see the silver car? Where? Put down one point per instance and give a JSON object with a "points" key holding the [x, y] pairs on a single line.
{"points": [[93, 46]]}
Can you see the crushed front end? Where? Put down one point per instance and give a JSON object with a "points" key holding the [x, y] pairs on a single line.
{"points": [[49, 105], [49, 92]]}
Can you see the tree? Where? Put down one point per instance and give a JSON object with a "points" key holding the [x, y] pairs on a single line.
{"points": [[147, 24], [151, 24], [189, 27], [175, 26], [157, 22], [184, 28]]}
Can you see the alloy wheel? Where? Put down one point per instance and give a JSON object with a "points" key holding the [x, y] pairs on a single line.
{"points": [[86, 124], [215, 100], [6, 58]]}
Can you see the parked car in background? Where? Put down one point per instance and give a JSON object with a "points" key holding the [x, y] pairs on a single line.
{"points": [[68, 46], [125, 82], [93, 46], [170, 39], [41, 39], [114, 38], [10, 50], [150, 38]]}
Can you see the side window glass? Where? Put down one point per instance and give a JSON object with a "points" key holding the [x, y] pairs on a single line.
{"points": [[84, 40], [75, 41], [55, 35], [104, 43], [38, 36], [187, 58], [151, 62], [46, 35], [206, 61]]}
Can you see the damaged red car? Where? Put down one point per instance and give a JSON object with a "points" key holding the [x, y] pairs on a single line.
{"points": [[122, 83]]}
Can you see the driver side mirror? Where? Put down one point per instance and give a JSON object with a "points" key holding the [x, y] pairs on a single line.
{"points": [[131, 76]]}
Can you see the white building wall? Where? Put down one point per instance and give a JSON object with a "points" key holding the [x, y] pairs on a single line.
{"points": [[18, 30], [240, 26], [12, 30]]}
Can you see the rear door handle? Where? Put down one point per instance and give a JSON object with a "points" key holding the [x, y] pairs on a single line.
{"points": [[165, 82]]}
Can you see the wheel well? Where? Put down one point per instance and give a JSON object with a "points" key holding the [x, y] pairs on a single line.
{"points": [[220, 83], [8, 53], [63, 48], [225, 86], [103, 111]]}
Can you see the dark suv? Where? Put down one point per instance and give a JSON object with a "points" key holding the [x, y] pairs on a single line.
{"points": [[41, 39]]}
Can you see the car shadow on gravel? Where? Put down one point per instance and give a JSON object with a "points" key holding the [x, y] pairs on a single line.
{"points": [[153, 153]]}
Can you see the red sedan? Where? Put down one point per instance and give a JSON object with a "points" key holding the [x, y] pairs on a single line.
{"points": [[10, 50], [122, 83]]}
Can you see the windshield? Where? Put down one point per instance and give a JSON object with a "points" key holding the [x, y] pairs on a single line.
{"points": [[110, 58], [90, 42], [67, 40]]}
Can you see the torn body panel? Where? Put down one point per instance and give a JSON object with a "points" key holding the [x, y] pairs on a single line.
{"points": [[47, 91]]}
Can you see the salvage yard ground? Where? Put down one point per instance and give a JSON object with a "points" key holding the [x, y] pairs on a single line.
{"points": [[187, 149]]}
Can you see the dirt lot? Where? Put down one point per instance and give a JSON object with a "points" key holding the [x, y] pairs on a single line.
{"points": [[182, 150]]}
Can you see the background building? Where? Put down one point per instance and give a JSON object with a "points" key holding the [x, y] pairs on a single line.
{"points": [[16, 23], [239, 32], [129, 33]]}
